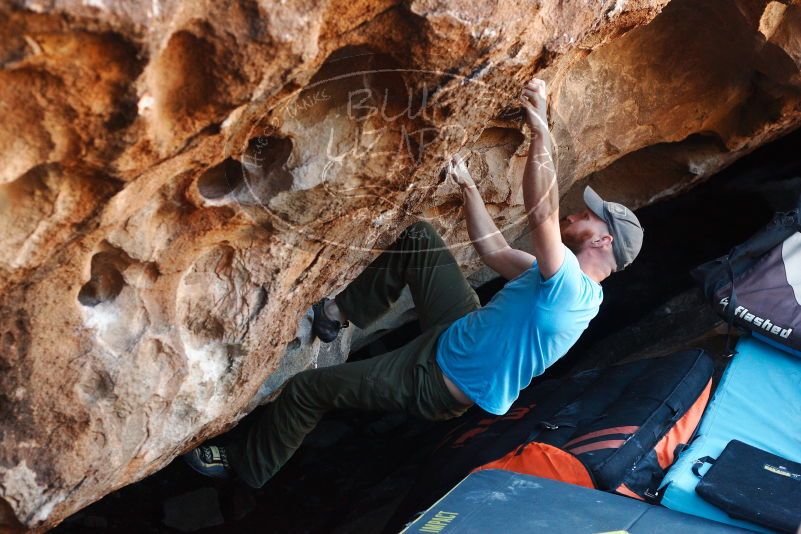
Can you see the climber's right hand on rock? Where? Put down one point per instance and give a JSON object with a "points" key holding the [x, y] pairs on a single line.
{"points": [[457, 170]]}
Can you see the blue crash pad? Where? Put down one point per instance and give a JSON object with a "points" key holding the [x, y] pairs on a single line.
{"points": [[503, 502], [758, 402], [776, 344]]}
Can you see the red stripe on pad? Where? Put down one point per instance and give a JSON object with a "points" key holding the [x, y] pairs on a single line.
{"points": [[608, 444], [604, 432]]}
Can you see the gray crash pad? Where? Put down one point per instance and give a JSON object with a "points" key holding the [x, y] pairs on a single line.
{"points": [[496, 501]]}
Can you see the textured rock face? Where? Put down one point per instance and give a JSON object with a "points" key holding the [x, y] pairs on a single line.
{"points": [[181, 180]]}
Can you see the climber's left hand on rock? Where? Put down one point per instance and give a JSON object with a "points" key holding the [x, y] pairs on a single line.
{"points": [[535, 106]]}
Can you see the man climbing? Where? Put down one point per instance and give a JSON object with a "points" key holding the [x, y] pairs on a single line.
{"points": [[466, 353]]}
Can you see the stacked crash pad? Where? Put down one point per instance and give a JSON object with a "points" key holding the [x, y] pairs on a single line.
{"points": [[758, 402]]}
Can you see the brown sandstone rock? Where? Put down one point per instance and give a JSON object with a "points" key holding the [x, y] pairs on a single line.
{"points": [[182, 180]]}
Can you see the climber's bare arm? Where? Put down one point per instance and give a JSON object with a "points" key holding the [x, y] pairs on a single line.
{"points": [[488, 241], [540, 189]]}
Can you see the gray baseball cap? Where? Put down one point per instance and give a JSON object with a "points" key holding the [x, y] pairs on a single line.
{"points": [[624, 227]]}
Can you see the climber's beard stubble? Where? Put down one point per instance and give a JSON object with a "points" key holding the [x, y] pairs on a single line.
{"points": [[573, 236]]}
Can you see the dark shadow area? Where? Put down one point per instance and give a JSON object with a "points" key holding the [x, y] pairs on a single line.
{"points": [[355, 468]]}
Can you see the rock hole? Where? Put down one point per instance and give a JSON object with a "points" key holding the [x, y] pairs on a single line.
{"points": [[221, 179], [106, 281], [259, 176], [264, 169], [40, 209], [189, 83]]}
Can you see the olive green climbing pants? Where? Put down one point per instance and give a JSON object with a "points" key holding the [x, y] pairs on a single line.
{"points": [[407, 379]]}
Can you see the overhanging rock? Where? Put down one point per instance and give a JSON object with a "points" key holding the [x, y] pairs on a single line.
{"points": [[181, 181]]}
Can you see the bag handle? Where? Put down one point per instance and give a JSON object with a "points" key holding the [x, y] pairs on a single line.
{"points": [[728, 352], [699, 463]]}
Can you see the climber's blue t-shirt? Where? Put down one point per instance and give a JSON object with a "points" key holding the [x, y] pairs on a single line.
{"points": [[493, 352]]}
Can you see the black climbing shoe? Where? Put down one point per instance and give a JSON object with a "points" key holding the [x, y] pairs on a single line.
{"points": [[323, 327], [209, 460]]}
